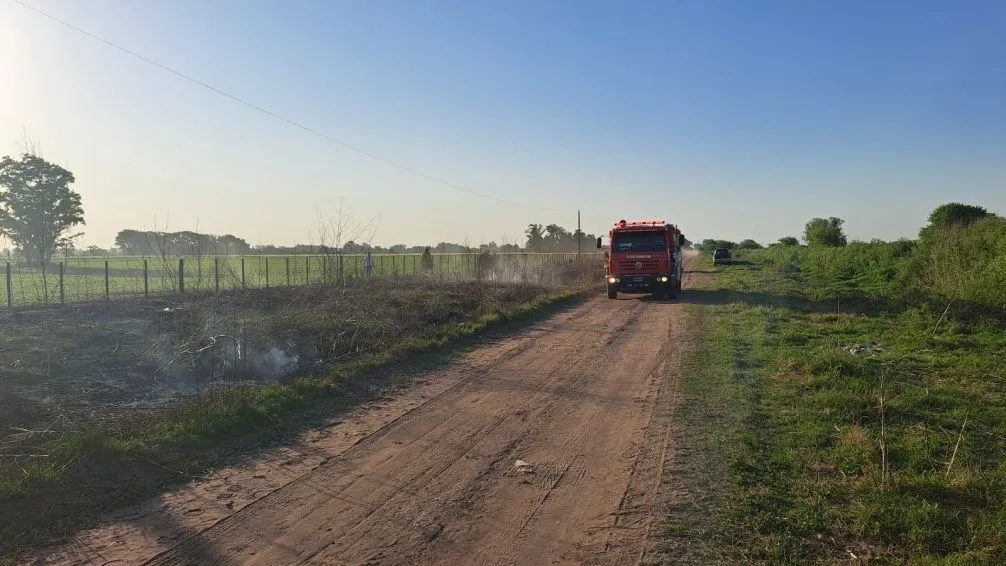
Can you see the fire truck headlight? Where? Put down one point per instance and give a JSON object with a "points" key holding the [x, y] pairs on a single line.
{"points": [[663, 280], [612, 280]]}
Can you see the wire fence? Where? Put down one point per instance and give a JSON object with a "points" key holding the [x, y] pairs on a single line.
{"points": [[89, 278]]}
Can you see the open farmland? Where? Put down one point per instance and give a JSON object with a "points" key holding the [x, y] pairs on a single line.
{"points": [[801, 405], [87, 279], [326, 283]]}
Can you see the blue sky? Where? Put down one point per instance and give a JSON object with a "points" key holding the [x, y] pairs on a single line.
{"points": [[734, 119]]}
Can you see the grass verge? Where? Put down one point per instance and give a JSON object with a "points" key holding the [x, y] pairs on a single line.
{"points": [[84, 474], [874, 433]]}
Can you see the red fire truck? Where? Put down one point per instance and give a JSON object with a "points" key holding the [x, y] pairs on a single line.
{"points": [[645, 256]]}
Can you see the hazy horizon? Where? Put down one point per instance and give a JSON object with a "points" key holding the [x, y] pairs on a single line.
{"points": [[732, 120]]}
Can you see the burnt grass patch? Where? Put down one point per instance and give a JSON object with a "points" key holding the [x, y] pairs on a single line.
{"points": [[105, 404]]}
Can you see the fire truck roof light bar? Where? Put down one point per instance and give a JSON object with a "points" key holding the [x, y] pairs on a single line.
{"points": [[623, 223]]}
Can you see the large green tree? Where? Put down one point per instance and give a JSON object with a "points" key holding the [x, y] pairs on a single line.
{"points": [[555, 237], [37, 207], [825, 232], [535, 237], [229, 244], [789, 241], [952, 215], [132, 242]]}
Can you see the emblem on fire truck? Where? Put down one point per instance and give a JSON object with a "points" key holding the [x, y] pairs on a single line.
{"points": [[639, 265]]}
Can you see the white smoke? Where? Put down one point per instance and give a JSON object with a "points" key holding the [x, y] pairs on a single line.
{"points": [[274, 363]]}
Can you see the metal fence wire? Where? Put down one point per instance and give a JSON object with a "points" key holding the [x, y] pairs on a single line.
{"points": [[82, 279]]}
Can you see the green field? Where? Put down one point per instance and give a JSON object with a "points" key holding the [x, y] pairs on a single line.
{"points": [[842, 413], [88, 279]]}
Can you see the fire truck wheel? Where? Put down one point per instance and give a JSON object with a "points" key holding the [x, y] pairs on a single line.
{"points": [[672, 291]]}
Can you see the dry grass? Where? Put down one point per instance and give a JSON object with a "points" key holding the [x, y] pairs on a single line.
{"points": [[103, 404]]}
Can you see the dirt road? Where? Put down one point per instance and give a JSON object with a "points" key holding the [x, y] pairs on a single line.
{"points": [[547, 447]]}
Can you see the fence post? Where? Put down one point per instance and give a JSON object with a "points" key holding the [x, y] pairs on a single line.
{"points": [[341, 272], [307, 270], [146, 280], [244, 284], [287, 271], [324, 269], [107, 293], [181, 275], [267, 272], [10, 289], [62, 295], [216, 274]]}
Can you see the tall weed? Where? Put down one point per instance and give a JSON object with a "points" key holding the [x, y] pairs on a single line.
{"points": [[963, 266]]}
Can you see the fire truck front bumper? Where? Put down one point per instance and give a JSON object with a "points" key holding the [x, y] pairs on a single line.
{"points": [[638, 283]]}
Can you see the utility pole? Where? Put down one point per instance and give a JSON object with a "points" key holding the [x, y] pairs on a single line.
{"points": [[579, 234]]}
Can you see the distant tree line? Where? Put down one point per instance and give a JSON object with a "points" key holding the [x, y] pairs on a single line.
{"points": [[154, 243], [818, 232], [710, 245], [556, 239], [129, 242], [829, 232], [956, 264]]}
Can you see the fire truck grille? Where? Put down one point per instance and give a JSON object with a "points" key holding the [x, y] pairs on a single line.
{"points": [[645, 266]]}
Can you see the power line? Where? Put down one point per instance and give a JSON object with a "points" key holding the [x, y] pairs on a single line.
{"points": [[267, 112]]}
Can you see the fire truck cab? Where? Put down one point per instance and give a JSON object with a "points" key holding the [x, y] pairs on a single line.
{"points": [[645, 257]]}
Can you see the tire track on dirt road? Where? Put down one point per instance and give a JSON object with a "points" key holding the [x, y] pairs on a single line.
{"points": [[606, 433], [137, 533], [393, 469], [429, 477]]}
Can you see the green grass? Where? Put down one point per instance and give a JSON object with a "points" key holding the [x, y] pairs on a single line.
{"points": [[84, 278], [92, 471], [830, 453]]}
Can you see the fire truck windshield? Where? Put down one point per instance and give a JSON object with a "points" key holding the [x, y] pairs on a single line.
{"points": [[638, 242]]}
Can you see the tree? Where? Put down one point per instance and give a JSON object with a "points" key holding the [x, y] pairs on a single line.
{"points": [[956, 214], [132, 242], [427, 259], [950, 215], [749, 244], [37, 206], [789, 241], [709, 245], [535, 237], [825, 232], [229, 244], [556, 238]]}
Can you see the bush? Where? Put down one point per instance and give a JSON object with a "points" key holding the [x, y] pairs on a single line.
{"points": [[962, 264]]}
